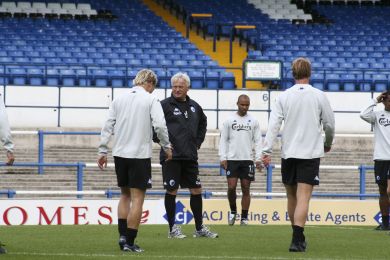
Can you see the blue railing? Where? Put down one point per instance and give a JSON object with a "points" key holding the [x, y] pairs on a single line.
{"points": [[81, 165], [41, 135], [362, 184]]}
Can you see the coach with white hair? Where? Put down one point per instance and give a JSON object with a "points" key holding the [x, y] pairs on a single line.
{"points": [[186, 124]]}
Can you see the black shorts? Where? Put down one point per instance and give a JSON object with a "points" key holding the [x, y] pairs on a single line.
{"points": [[133, 173], [183, 172], [241, 170], [382, 171], [301, 171]]}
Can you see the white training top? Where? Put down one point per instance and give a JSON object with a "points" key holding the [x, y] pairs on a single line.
{"points": [[304, 110], [5, 131], [131, 117], [239, 136], [381, 122]]}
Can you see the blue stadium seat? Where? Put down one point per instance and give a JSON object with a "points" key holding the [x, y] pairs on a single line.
{"points": [[102, 61], [197, 79], [117, 77], [227, 80], [380, 82], [100, 77], [19, 76], [212, 79], [3, 76], [165, 63], [84, 78], [118, 62], [317, 80], [35, 76], [349, 82], [52, 77], [333, 82], [163, 78], [68, 77]]}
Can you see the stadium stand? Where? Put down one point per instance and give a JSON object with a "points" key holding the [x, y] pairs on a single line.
{"points": [[346, 50], [94, 43]]}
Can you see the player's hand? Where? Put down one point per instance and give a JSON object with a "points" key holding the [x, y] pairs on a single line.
{"points": [[10, 158], [266, 159], [168, 154], [327, 149], [259, 165], [224, 164], [102, 161]]}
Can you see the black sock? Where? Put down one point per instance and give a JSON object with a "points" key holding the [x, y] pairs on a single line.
{"points": [[385, 221], [244, 214], [170, 208], [196, 207], [232, 196], [122, 226], [298, 234], [131, 234]]}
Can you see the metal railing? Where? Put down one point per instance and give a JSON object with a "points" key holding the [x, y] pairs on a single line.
{"points": [[362, 181], [207, 194], [79, 173]]}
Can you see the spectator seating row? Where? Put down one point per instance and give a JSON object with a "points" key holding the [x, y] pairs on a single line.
{"points": [[281, 9], [108, 76], [347, 80], [43, 8], [136, 39]]}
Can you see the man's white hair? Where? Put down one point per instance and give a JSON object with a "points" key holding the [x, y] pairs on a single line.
{"points": [[181, 75]]}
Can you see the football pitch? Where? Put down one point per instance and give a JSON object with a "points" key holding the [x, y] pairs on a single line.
{"points": [[236, 242]]}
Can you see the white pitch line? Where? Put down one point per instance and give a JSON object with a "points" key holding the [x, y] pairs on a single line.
{"points": [[338, 227], [145, 255]]}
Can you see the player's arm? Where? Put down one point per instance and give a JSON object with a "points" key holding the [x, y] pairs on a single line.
{"points": [[328, 123], [258, 143], [223, 144], [275, 122], [105, 136], [160, 127], [202, 127], [368, 114]]}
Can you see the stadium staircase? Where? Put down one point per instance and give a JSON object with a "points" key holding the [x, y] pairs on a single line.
{"points": [[206, 44], [347, 151]]}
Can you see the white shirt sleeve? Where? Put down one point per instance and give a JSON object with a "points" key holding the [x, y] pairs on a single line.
{"points": [[5, 130], [258, 141], [107, 130], [275, 122], [328, 122], [368, 114], [159, 124], [223, 142]]}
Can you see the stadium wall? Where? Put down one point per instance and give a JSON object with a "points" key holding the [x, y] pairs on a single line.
{"points": [[42, 107]]}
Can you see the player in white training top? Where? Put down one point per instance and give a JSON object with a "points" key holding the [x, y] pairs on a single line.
{"points": [[240, 134]]}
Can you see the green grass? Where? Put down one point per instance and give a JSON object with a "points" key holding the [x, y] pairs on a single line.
{"points": [[250, 242]]}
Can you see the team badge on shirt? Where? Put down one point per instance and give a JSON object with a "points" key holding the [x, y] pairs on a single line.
{"points": [[176, 111], [193, 109]]}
